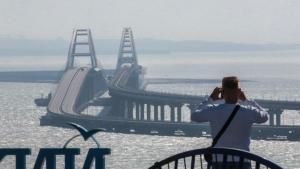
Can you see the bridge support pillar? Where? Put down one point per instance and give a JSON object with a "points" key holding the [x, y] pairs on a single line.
{"points": [[179, 113], [271, 119], [162, 112], [148, 112], [118, 107], [275, 116], [137, 110], [142, 111], [172, 114], [192, 108], [130, 109], [155, 112], [122, 108], [126, 109], [278, 117]]}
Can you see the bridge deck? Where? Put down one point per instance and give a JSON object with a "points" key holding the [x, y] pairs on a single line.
{"points": [[61, 90], [68, 104], [67, 92]]}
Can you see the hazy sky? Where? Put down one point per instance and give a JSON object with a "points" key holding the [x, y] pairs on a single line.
{"points": [[258, 21]]}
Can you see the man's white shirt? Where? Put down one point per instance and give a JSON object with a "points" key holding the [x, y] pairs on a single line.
{"points": [[237, 135]]}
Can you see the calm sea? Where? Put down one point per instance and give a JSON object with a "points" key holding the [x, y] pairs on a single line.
{"points": [[271, 75]]}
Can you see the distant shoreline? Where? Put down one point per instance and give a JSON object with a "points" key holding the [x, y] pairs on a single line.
{"points": [[51, 76], [23, 47]]}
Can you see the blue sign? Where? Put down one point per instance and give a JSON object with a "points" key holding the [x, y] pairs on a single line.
{"points": [[47, 156]]}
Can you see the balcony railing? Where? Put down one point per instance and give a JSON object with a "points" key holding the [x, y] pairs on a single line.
{"points": [[222, 158]]}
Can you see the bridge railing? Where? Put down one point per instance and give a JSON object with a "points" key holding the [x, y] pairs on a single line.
{"points": [[222, 158]]}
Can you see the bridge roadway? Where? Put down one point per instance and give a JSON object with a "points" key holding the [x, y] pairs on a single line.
{"points": [[68, 90], [130, 102], [118, 87]]}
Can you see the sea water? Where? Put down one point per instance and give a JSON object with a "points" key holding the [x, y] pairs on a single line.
{"points": [[269, 75]]}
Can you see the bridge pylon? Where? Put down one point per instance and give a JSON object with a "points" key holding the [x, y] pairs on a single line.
{"points": [[127, 53], [81, 39]]}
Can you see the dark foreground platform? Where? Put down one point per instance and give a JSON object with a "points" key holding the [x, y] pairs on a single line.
{"points": [[164, 128]]}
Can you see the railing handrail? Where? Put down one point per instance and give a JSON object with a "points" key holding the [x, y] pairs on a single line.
{"points": [[221, 151]]}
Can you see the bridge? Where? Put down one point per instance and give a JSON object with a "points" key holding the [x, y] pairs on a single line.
{"points": [[78, 85], [134, 109]]}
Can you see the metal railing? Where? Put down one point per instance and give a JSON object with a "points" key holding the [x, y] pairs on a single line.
{"points": [[222, 158]]}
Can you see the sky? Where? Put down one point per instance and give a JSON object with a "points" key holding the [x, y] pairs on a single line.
{"points": [[245, 21]]}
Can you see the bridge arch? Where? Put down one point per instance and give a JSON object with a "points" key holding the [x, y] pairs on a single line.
{"points": [[127, 56], [81, 45]]}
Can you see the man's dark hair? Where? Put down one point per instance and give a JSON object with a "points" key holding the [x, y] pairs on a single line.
{"points": [[230, 82]]}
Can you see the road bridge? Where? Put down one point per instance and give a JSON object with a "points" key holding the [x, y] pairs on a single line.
{"points": [[127, 57], [78, 85], [146, 104]]}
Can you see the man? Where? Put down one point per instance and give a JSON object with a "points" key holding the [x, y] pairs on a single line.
{"points": [[237, 135]]}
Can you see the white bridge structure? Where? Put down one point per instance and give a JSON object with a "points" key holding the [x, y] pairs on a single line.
{"points": [[127, 53], [78, 85], [81, 39]]}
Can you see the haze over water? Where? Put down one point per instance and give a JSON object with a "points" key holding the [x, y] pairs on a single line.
{"points": [[272, 75]]}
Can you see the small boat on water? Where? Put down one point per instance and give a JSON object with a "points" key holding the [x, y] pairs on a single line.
{"points": [[43, 101]]}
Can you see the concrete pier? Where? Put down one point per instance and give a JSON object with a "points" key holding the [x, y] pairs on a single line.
{"points": [[162, 112]]}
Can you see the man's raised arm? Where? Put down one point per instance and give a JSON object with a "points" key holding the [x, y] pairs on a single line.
{"points": [[203, 112], [259, 115]]}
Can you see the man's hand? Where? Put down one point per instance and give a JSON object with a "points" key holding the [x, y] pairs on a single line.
{"points": [[215, 95]]}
